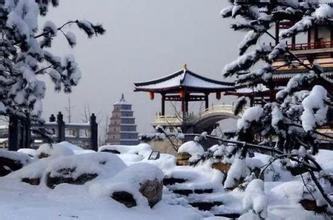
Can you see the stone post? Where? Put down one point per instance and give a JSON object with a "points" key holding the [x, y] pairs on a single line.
{"points": [[93, 132], [13, 133], [61, 127]]}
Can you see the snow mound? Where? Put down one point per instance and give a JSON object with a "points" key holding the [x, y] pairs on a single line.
{"points": [[255, 198], [16, 156], [54, 150], [142, 149], [28, 151], [76, 149], [193, 148]]}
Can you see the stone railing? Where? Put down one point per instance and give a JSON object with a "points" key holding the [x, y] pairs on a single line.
{"points": [[173, 120], [217, 109]]}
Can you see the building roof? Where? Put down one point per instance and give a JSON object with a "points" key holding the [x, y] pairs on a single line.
{"points": [[122, 101], [186, 79]]}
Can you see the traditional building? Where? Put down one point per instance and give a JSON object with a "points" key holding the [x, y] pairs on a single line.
{"points": [[314, 47], [183, 86], [122, 127]]}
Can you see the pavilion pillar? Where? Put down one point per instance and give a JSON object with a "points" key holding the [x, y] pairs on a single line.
{"points": [[206, 101], [183, 104], [331, 37], [186, 106], [315, 37], [163, 104], [293, 42], [277, 32]]}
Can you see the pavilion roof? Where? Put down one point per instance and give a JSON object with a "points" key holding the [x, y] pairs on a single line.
{"points": [[186, 79]]}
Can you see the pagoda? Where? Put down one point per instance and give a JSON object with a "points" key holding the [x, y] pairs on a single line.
{"points": [[183, 86], [122, 127]]}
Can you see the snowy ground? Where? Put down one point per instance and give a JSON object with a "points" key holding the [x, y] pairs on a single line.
{"points": [[91, 201]]}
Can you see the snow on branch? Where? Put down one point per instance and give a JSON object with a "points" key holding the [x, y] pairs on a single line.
{"points": [[246, 61], [315, 109]]}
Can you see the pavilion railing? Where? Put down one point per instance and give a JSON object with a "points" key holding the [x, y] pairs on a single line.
{"points": [[312, 45]]}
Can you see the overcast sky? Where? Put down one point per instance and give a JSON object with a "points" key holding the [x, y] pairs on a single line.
{"points": [[145, 39]]}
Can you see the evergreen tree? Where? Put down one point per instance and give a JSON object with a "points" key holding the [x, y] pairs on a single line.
{"points": [[293, 115], [301, 107], [25, 56]]}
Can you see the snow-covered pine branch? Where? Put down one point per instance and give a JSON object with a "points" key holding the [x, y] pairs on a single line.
{"points": [[24, 56]]}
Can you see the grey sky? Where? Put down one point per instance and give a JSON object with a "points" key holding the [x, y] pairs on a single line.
{"points": [[145, 39]]}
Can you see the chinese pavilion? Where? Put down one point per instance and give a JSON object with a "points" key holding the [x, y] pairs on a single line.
{"points": [[183, 86]]}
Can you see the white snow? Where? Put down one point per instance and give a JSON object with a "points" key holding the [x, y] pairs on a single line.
{"points": [[237, 170], [324, 11], [17, 156], [250, 115], [193, 148], [54, 150], [275, 198], [255, 198], [315, 109], [140, 149]]}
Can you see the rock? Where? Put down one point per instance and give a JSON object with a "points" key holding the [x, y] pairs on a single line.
{"points": [[12, 161], [152, 190], [110, 151], [183, 158], [65, 175], [125, 198], [311, 205], [223, 167], [31, 181]]}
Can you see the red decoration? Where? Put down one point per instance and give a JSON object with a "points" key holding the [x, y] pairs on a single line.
{"points": [[151, 95], [182, 93], [218, 95]]}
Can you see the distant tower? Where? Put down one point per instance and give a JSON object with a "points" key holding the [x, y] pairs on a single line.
{"points": [[122, 127]]}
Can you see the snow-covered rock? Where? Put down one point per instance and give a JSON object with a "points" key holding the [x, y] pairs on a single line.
{"points": [[193, 148], [73, 169], [11, 161], [78, 169], [139, 184]]}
